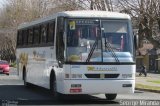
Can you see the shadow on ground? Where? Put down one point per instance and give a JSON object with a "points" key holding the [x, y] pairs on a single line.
{"points": [[40, 96]]}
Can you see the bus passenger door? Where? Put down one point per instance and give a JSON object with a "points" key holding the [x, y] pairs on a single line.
{"points": [[60, 42]]}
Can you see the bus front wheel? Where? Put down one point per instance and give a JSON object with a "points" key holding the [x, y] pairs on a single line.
{"points": [[25, 78], [110, 96], [53, 87]]}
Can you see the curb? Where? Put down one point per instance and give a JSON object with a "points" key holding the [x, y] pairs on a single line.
{"points": [[149, 90]]}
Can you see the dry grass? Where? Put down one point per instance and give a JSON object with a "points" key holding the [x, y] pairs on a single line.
{"points": [[147, 87]]}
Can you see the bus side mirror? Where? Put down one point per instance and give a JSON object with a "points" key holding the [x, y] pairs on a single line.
{"points": [[136, 41]]}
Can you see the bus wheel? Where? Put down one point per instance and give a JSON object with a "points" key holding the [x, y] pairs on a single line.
{"points": [[110, 96], [26, 84], [53, 87], [24, 78]]}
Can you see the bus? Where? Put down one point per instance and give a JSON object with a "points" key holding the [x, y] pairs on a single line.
{"points": [[78, 52]]}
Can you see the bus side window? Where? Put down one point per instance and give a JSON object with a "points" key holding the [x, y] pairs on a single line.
{"points": [[30, 37], [20, 38], [50, 38], [44, 33], [25, 37], [36, 35]]}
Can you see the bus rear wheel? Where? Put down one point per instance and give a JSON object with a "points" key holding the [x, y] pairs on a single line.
{"points": [[111, 96]]}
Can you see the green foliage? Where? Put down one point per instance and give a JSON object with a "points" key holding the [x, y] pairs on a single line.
{"points": [[13, 64], [154, 81], [147, 87]]}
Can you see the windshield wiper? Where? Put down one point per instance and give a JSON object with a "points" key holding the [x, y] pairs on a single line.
{"points": [[111, 50], [92, 50]]}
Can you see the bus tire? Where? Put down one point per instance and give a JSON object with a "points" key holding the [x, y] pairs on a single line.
{"points": [[25, 78], [110, 96], [53, 87]]}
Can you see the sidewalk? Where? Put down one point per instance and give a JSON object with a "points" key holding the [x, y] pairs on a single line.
{"points": [[149, 83], [12, 79]]}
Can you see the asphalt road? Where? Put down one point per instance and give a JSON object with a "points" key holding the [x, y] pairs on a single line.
{"points": [[13, 92]]}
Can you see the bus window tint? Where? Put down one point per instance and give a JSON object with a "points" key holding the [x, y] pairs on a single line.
{"points": [[115, 33], [51, 32], [82, 36], [44, 33], [25, 37], [30, 37], [19, 40], [36, 35]]}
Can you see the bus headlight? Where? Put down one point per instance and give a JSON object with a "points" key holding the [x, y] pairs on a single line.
{"points": [[73, 76], [128, 75], [76, 75]]}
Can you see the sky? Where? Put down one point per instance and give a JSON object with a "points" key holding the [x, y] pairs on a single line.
{"points": [[2, 3]]}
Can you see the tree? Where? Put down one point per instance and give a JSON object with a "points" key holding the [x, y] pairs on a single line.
{"points": [[16, 12], [105, 5], [145, 12]]}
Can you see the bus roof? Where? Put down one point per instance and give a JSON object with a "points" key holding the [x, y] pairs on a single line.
{"points": [[78, 14]]}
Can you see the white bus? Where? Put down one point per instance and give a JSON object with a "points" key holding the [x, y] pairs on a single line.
{"points": [[78, 52]]}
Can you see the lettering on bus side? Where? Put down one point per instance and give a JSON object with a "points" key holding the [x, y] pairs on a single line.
{"points": [[91, 68], [39, 56]]}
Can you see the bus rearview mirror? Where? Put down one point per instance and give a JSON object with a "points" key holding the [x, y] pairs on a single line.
{"points": [[136, 41]]}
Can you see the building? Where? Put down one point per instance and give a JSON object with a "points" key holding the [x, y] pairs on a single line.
{"points": [[148, 56]]}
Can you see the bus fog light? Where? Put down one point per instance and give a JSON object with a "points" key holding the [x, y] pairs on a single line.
{"points": [[127, 85], [76, 75]]}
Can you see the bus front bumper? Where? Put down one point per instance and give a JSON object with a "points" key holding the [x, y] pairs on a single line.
{"points": [[97, 86]]}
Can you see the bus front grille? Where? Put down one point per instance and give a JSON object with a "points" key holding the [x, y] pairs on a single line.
{"points": [[102, 75]]}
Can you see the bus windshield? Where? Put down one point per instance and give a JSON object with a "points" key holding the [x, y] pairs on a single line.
{"points": [[91, 40]]}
